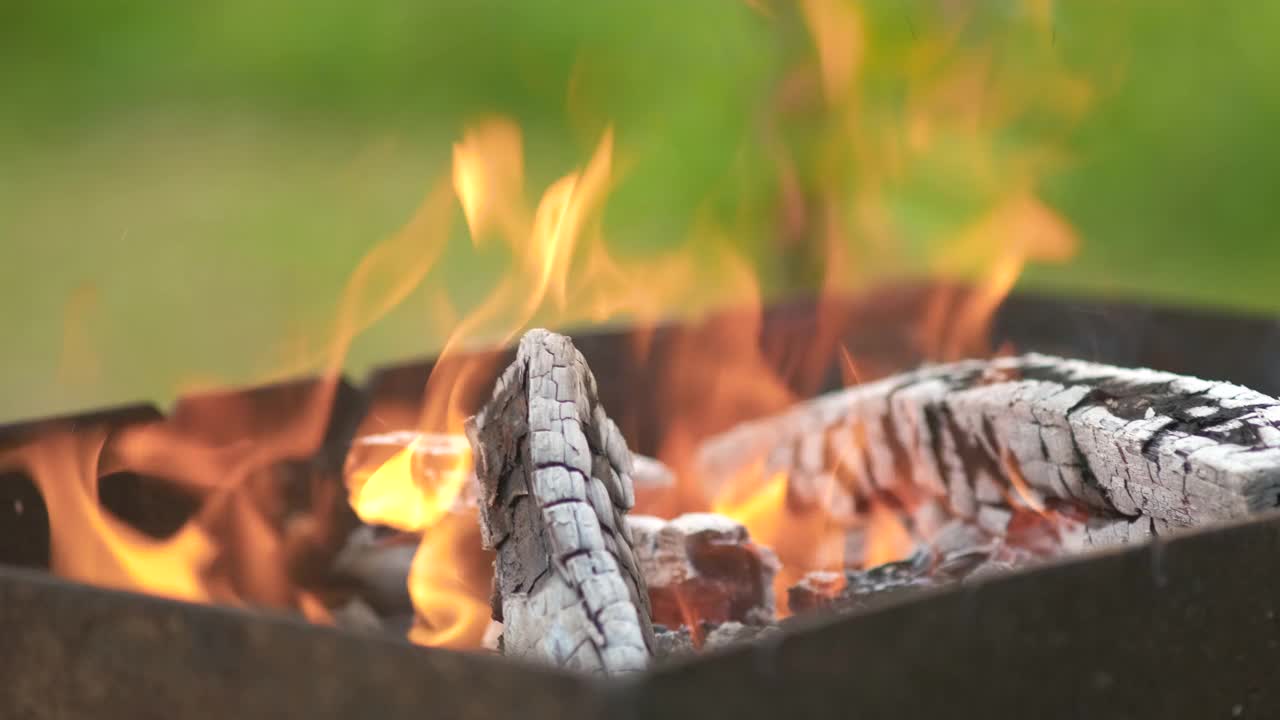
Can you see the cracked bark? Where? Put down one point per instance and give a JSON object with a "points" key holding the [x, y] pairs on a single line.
{"points": [[555, 479], [1130, 444]]}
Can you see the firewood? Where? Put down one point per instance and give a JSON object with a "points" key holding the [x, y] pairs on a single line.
{"points": [[378, 567], [1126, 443], [555, 482], [703, 567]]}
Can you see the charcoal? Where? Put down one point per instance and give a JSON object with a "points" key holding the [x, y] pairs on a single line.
{"points": [[863, 588], [703, 567]]}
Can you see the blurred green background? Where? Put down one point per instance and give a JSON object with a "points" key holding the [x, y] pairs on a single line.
{"points": [[186, 187]]}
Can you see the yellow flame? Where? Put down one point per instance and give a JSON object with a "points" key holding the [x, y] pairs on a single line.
{"points": [[400, 493], [488, 177], [92, 546], [450, 609]]}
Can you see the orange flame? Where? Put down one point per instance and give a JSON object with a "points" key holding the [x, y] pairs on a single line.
{"points": [[89, 544], [414, 488], [946, 129], [450, 603], [487, 179], [809, 540], [887, 537]]}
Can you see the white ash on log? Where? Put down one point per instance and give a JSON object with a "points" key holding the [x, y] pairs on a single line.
{"points": [[1023, 430], [703, 567], [555, 482]]}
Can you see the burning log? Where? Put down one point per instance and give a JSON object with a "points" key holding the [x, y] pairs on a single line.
{"points": [[703, 567], [1126, 443], [555, 480]]}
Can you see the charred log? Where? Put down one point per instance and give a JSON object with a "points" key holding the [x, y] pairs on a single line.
{"points": [[555, 482], [1126, 443]]}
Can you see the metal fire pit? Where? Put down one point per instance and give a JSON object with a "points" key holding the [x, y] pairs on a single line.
{"points": [[1183, 627]]}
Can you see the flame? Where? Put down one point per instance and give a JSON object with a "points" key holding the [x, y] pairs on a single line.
{"points": [[414, 488], [245, 541], [450, 604], [887, 538], [1023, 496], [812, 539], [89, 544], [487, 180], [841, 195]]}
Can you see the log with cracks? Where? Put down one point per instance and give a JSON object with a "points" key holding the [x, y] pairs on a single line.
{"points": [[555, 479], [1145, 451]]}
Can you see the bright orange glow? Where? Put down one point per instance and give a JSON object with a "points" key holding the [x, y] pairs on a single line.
{"points": [[996, 249], [488, 178], [887, 537], [804, 541], [451, 606], [760, 511], [416, 486], [91, 545]]}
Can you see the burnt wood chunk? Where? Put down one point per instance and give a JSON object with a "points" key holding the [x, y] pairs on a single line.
{"points": [[555, 483], [1126, 443], [703, 567]]}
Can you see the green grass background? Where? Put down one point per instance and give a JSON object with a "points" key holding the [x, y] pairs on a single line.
{"points": [[187, 186]]}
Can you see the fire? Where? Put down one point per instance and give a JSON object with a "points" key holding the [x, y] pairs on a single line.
{"points": [[809, 539], [845, 196], [421, 488], [887, 537], [449, 583], [92, 546], [413, 489]]}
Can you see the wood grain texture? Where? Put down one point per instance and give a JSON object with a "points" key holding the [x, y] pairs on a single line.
{"points": [[555, 483], [1126, 443]]}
